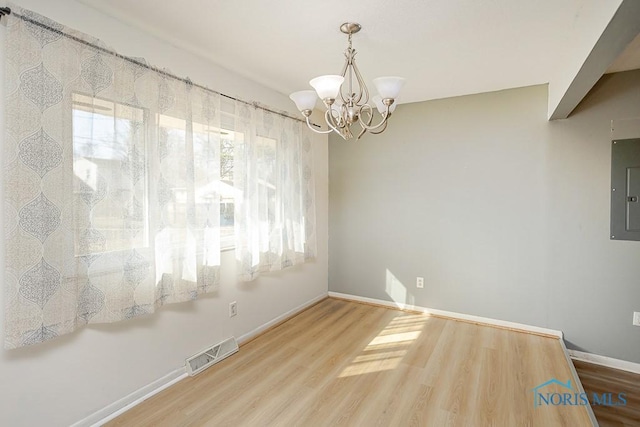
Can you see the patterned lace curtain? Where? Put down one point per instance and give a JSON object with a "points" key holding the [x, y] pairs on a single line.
{"points": [[112, 184], [275, 217]]}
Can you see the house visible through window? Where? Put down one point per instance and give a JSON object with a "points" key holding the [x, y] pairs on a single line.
{"points": [[211, 187]]}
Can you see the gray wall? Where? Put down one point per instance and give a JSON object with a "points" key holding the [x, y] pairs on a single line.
{"points": [[504, 213]]}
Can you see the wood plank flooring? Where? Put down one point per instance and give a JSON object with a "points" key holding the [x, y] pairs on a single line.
{"points": [[345, 363], [600, 379]]}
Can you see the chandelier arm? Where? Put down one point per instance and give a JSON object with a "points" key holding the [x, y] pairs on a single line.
{"points": [[328, 117], [337, 120], [369, 113], [385, 117], [344, 74], [363, 87], [366, 108], [384, 120], [381, 130], [317, 131], [351, 54], [338, 125]]}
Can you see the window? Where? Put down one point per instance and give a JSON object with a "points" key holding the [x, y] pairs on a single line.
{"points": [[228, 192], [110, 177], [211, 187], [267, 167], [109, 146]]}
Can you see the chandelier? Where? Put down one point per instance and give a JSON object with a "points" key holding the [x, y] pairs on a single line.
{"points": [[346, 106]]}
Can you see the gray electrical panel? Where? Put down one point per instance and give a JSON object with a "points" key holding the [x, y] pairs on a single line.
{"points": [[625, 189]]}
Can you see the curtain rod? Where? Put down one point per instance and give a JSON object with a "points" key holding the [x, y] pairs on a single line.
{"points": [[7, 11]]}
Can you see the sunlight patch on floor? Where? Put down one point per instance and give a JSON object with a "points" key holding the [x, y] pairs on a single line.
{"points": [[398, 337], [386, 351]]}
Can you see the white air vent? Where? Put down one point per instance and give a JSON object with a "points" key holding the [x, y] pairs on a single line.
{"points": [[202, 360]]}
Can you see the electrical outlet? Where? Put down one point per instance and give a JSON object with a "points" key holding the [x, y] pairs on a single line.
{"points": [[233, 308], [636, 318], [420, 282]]}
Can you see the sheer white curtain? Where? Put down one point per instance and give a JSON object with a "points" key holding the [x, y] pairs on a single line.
{"points": [[275, 215], [112, 184], [117, 177]]}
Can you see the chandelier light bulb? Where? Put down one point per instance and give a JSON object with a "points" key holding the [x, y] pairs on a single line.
{"points": [[305, 100], [327, 87], [389, 87]]}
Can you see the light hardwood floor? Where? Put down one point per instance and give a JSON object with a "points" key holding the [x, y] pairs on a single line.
{"points": [[345, 363], [601, 380]]}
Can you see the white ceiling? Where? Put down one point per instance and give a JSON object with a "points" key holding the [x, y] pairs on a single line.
{"points": [[443, 47]]}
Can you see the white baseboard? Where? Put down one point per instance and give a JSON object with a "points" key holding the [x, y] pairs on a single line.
{"points": [[260, 329], [609, 362], [120, 406], [451, 314]]}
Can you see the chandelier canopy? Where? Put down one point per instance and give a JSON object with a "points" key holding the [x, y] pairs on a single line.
{"points": [[346, 96]]}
